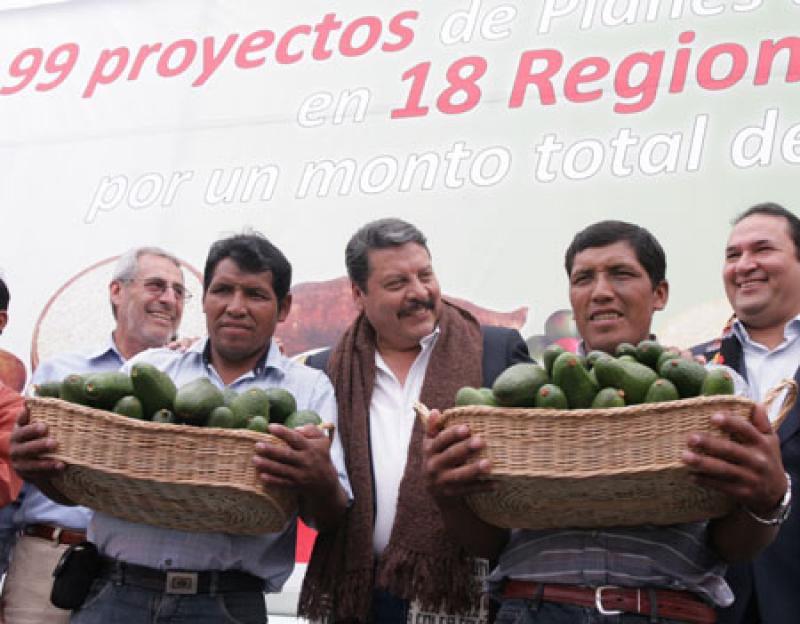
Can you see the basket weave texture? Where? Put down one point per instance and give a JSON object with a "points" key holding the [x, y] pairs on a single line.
{"points": [[594, 468], [172, 476]]}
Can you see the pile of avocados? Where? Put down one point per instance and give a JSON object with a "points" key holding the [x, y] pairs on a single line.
{"points": [[149, 394], [644, 373]]}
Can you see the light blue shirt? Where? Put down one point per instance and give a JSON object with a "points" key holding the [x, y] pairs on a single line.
{"points": [[766, 368], [269, 556], [33, 507]]}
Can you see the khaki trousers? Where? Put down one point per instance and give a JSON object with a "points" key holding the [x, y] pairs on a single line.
{"points": [[26, 591]]}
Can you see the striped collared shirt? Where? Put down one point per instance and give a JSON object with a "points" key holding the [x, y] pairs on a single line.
{"points": [[671, 557]]}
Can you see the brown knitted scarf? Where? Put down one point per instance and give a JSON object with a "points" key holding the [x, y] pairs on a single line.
{"points": [[421, 561]]}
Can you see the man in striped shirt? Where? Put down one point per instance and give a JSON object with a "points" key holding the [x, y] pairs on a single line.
{"points": [[662, 574]]}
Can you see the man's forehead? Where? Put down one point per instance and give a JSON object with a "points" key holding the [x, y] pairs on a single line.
{"points": [[398, 255], [759, 228], [151, 265], [614, 254], [228, 271]]}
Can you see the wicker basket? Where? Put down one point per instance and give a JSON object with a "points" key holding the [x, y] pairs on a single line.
{"points": [[172, 476], [594, 468]]}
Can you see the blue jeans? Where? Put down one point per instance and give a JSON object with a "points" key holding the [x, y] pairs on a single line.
{"points": [[524, 611], [111, 603]]}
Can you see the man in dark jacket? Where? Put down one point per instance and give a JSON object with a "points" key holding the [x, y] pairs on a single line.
{"points": [[762, 280]]}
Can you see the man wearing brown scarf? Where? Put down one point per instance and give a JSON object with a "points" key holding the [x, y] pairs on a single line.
{"points": [[407, 344]]}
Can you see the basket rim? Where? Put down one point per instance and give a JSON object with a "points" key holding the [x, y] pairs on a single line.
{"points": [[640, 408], [148, 425]]}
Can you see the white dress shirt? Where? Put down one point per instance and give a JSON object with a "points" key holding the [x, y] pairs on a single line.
{"points": [[767, 368], [391, 419]]}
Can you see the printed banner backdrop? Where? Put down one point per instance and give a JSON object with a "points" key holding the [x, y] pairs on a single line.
{"points": [[499, 127]]}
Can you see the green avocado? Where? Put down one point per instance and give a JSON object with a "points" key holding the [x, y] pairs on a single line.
{"points": [[648, 352], [469, 396], [625, 348], [229, 394], [165, 416], [154, 388], [129, 406], [609, 397], [251, 402], [666, 354], [718, 381], [281, 404], [51, 389], [570, 375], [687, 375], [488, 397], [222, 417], [661, 390], [632, 377], [517, 385], [551, 352], [301, 418], [103, 390], [593, 356], [195, 401], [550, 396]]}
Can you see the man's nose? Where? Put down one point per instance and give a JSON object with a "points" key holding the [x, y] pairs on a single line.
{"points": [[417, 289], [237, 305], [745, 262], [602, 289]]}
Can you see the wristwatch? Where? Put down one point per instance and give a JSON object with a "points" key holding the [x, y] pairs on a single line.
{"points": [[781, 511]]}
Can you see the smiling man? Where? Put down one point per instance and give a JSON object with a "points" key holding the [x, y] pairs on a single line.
{"points": [[761, 273], [245, 295], [645, 573], [407, 344], [147, 295]]}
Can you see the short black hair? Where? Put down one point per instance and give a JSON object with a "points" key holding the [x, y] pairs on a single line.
{"points": [[648, 250], [252, 253], [5, 296], [776, 210], [380, 234]]}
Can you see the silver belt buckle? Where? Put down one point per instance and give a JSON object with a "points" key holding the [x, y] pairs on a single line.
{"points": [[181, 583], [598, 601]]}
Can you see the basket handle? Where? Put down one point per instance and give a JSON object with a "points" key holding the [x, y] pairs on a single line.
{"points": [[423, 412], [788, 401], [328, 429]]}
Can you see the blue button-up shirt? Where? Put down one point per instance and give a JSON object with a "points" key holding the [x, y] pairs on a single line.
{"points": [[33, 507], [269, 556]]}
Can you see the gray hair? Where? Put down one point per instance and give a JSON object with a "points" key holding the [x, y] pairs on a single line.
{"points": [[379, 234], [128, 264]]}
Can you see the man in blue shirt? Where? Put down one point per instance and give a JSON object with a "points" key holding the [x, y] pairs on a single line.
{"points": [[147, 295], [245, 294]]}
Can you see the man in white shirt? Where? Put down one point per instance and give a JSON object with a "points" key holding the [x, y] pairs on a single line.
{"points": [[407, 344], [762, 280]]}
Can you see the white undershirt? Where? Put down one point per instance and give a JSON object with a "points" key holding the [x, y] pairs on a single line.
{"points": [[391, 419], [765, 368]]}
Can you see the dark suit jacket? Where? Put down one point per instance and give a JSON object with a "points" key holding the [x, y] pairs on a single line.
{"points": [[767, 590], [502, 347]]}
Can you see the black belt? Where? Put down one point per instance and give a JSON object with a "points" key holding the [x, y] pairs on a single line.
{"points": [[179, 581]]}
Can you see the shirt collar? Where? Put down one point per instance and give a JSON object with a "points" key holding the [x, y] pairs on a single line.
{"points": [[109, 346], [428, 342], [273, 359], [790, 331]]}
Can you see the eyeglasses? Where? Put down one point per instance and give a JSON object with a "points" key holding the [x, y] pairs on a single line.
{"points": [[156, 286]]}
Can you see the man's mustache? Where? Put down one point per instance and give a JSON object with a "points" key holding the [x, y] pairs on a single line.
{"points": [[414, 306]]}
